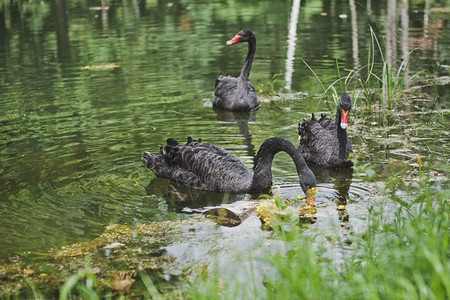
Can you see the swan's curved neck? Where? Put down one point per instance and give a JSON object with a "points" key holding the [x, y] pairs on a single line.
{"points": [[342, 136], [262, 173], [245, 71]]}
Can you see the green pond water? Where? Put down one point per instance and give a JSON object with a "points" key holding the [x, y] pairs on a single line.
{"points": [[84, 90]]}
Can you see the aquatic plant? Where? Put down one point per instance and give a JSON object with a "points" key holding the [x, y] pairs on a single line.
{"points": [[84, 284], [404, 256], [385, 87], [115, 263], [271, 87], [277, 214]]}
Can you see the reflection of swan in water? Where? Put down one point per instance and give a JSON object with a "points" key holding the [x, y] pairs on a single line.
{"points": [[338, 193], [240, 120], [339, 178], [179, 197]]}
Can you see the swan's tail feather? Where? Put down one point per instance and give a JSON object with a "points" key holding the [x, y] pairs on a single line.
{"points": [[172, 142], [302, 126], [172, 153], [192, 142], [153, 162], [162, 169]]}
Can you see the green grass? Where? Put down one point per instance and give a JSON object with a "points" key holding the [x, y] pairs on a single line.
{"points": [[271, 87], [83, 284], [402, 257], [379, 81]]}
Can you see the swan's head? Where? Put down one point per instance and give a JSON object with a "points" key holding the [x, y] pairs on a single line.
{"points": [[308, 184], [344, 107], [242, 36]]}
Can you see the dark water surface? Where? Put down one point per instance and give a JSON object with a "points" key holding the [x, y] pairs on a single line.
{"points": [[84, 91]]}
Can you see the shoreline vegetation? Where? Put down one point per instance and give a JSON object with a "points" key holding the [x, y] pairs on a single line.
{"points": [[402, 254], [402, 257]]}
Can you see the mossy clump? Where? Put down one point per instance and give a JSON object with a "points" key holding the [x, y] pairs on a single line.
{"points": [[277, 214], [116, 258]]}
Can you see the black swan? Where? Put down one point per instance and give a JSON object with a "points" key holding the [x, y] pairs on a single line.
{"points": [[324, 142], [238, 94], [208, 167]]}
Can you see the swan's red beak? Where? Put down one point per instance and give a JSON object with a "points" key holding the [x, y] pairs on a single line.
{"points": [[234, 40], [344, 119]]}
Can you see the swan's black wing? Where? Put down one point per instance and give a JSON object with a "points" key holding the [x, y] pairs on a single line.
{"points": [[223, 79], [234, 94], [163, 170], [200, 165], [224, 92], [316, 143], [327, 123], [319, 144]]}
